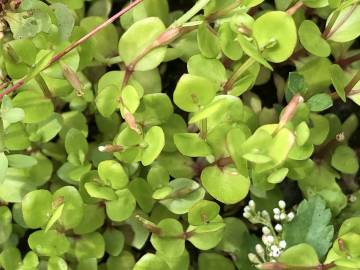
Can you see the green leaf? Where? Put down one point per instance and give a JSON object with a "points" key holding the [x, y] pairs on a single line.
{"points": [[214, 261], [114, 241], [121, 208], [50, 243], [107, 100], [90, 245], [192, 91], [226, 185], [76, 146], [211, 69], [55, 216], [301, 255], [302, 133], [155, 142], [154, 109], [21, 161], [131, 47], [278, 176], [339, 81], [36, 107], [73, 211], [202, 212], [124, 261], [310, 37], [151, 262], [169, 242], [319, 102], [252, 51], [12, 116], [10, 258], [278, 27], [208, 41], [142, 191], [316, 3], [350, 242], [92, 220], [113, 174], [229, 46], [185, 193], [130, 98], [6, 225], [191, 145], [96, 190], [345, 160], [57, 263], [347, 24], [311, 226], [46, 130], [72, 4], [27, 24], [65, 20], [37, 208], [3, 166]]}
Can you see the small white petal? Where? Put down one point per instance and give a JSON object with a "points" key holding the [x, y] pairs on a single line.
{"points": [[277, 217], [274, 248], [290, 216], [270, 239], [278, 227], [259, 249], [246, 215], [252, 204], [247, 209], [101, 148], [283, 216], [276, 211], [282, 244], [266, 230], [282, 204]]}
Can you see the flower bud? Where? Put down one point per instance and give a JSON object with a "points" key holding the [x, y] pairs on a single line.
{"points": [[278, 227], [253, 258], [282, 204]]}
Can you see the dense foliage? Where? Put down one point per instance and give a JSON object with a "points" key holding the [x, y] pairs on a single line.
{"points": [[209, 134]]}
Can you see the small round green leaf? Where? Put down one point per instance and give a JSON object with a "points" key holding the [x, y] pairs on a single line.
{"points": [[277, 27], [50, 243], [37, 208], [113, 174], [192, 91], [310, 37], [121, 208], [155, 141], [226, 185], [345, 160]]}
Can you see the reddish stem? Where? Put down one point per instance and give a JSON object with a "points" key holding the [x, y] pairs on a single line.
{"points": [[61, 54], [291, 11], [333, 29], [345, 62], [290, 110]]}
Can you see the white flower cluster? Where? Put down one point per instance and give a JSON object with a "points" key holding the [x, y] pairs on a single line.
{"points": [[273, 243]]}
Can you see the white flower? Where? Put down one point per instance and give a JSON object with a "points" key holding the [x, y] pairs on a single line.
{"points": [[247, 209], [283, 216], [277, 217], [265, 214], [290, 216], [270, 239], [259, 250], [266, 230], [252, 204], [276, 211], [278, 227], [246, 215], [282, 244], [282, 204], [267, 239], [102, 148], [253, 258]]}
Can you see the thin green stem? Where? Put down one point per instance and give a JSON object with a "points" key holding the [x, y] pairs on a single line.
{"points": [[190, 13], [236, 75], [203, 130]]}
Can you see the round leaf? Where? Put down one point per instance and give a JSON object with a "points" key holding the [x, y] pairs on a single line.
{"points": [[121, 208], [37, 208], [310, 37], [50, 243], [226, 185], [277, 27], [155, 141]]}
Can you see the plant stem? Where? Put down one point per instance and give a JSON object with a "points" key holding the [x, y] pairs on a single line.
{"points": [[333, 28], [349, 60], [223, 12], [291, 11], [203, 130], [290, 110], [282, 266], [352, 83], [72, 46], [222, 162], [236, 75], [190, 13]]}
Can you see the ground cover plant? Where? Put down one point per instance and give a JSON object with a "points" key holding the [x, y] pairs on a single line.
{"points": [[174, 135]]}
